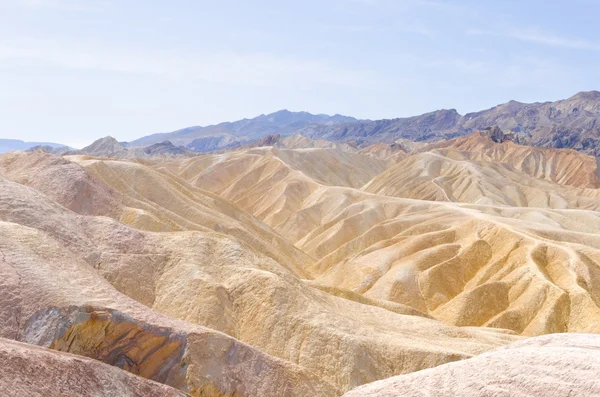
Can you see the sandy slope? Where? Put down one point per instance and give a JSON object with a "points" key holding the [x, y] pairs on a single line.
{"points": [[273, 183], [275, 271], [523, 256], [549, 366], [474, 169], [563, 166], [213, 280]]}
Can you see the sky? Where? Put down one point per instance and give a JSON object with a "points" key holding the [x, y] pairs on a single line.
{"points": [[72, 71]]}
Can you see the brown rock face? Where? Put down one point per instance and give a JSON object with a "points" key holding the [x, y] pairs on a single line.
{"points": [[143, 350], [29, 370]]}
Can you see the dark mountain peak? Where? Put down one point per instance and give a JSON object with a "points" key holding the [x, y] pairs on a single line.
{"points": [[106, 140], [269, 140], [165, 148], [509, 106], [451, 111], [165, 144], [103, 147], [435, 113], [586, 96], [283, 111], [513, 102], [497, 135]]}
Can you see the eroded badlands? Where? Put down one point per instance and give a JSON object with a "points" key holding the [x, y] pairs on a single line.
{"points": [[305, 268]]}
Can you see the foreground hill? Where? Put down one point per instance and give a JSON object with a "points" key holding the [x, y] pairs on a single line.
{"points": [[549, 366]]}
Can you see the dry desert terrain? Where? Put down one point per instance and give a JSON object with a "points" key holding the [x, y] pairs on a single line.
{"points": [[302, 268]]}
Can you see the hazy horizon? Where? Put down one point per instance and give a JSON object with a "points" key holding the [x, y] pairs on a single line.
{"points": [[74, 71]]}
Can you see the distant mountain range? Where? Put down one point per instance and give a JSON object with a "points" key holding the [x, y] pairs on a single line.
{"points": [[110, 147], [570, 123], [231, 134], [8, 145]]}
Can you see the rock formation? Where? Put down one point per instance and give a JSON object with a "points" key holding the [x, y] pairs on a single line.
{"points": [[300, 268], [29, 370]]}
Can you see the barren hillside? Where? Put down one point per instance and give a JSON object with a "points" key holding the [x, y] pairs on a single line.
{"points": [[298, 268]]}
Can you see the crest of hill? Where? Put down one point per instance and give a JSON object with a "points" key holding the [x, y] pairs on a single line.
{"points": [[475, 169], [103, 147], [394, 152], [520, 370], [562, 166]]}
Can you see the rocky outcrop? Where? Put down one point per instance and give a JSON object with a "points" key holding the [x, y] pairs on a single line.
{"points": [[116, 339], [166, 149], [29, 370]]}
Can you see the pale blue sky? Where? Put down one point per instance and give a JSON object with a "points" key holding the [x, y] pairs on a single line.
{"points": [[75, 70]]}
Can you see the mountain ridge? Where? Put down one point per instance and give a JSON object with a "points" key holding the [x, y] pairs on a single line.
{"points": [[568, 123], [573, 122], [8, 145], [221, 135]]}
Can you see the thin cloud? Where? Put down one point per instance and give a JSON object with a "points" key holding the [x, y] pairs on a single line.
{"points": [[405, 28], [552, 40], [65, 5], [539, 37], [221, 68]]}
